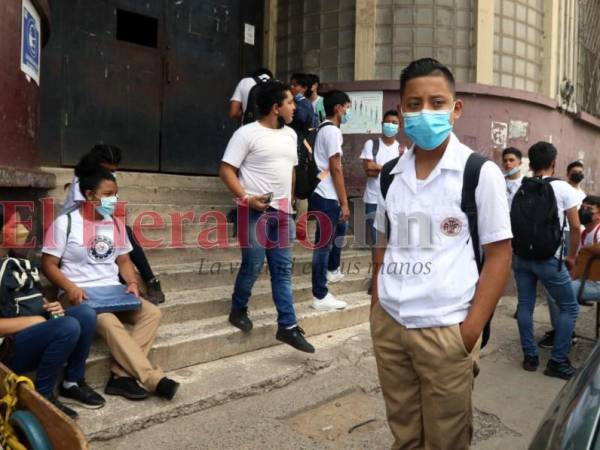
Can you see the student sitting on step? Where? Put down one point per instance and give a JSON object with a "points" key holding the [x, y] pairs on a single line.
{"points": [[109, 157], [93, 252], [38, 335]]}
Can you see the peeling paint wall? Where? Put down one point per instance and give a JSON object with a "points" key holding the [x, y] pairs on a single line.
{"points": [[494, 118]]}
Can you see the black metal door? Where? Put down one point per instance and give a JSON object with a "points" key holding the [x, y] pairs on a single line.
{"points": [[112, 79], [205, 56]]}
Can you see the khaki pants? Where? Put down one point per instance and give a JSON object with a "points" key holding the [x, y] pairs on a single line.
{"points": [[426, 376], [129, 349]]}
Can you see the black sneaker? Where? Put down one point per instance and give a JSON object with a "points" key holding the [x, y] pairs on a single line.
{"points": [[240, 319], [81, 395], [167, 388], [154, 291], [65, 409], [295, 338], [548, 340], [563, 370], [125, 387], [531, 363]]}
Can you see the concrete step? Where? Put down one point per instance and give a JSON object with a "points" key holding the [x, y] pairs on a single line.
{"points": [[180, 345], [216, 301], [131, 178], [219, 382], [194, 251], [162, 194], [211, 272]]}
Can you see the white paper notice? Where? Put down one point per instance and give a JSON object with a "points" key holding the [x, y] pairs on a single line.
{"points": [[367, 109], [249, 34]]}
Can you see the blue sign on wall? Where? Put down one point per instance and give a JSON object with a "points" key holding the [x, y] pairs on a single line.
{"points": [[30, 42]]}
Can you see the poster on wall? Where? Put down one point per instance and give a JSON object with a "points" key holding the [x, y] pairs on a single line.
{"points": [[367, 109], [31, 32]]}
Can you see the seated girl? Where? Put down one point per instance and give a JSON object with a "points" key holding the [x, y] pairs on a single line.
{"points": [[38, 335], [109, 157], [88, 248]]}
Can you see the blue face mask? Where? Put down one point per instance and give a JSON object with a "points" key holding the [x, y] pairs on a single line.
{"points": [[107, 206], [511, 172], [427, 128], [390, 129], [346, 117]]}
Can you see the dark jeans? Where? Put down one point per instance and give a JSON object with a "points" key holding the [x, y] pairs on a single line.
{"points": [[558, 285], [46, 347], [138, 257], [370, 210], [269, 234], [328, 251]]}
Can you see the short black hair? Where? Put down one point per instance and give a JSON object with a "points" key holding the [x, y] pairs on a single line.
{"points": [[592, 200], [424, 67], [313, 78], [262, 71], [332, 99], [391, 112], [574, 164], [90, 181], [270, 93], [512, 151], [541, 155]]}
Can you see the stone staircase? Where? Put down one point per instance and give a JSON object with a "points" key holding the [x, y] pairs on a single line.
{"points": [[198, 282]]}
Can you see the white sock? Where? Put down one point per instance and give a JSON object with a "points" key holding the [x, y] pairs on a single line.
{"points": [[69, 384], [293, 326]]}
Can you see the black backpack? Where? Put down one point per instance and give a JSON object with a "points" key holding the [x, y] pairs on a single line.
{"points": [[251, 111], [307, 172], [20, 293], [467, 204], [536, 229]]}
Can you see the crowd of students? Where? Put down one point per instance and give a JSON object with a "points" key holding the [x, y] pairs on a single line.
{"points": [[440, 221]]}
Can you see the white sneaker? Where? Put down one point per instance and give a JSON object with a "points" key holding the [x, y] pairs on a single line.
{"points": [[328, 303], [335, 276]]}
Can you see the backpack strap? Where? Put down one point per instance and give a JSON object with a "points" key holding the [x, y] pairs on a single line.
{"points": [[375, 142], [385, 180], [562, 229], [468, 204]]}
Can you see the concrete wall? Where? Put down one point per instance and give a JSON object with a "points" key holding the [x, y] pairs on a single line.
{"points": [[317, 37], [429, 28], [494, 118]]}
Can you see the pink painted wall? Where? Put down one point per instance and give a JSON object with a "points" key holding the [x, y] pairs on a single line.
{"points": [[574, 136]]}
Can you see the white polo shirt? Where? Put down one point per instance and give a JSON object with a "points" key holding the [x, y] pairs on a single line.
{"points": [[429, 274]]}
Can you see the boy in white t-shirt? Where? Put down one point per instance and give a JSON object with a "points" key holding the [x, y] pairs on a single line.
{"points": [[511, 163], [374, 155], [258, 168], [329, 202], [552, 272], [239, 100]]}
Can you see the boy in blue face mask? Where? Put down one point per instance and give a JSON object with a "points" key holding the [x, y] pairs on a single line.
{"points": [[375, 153], [430, 303], [511, 163]]}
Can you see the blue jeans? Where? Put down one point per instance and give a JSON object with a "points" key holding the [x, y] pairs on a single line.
{"points": [[269, 234], [591, 290], [327, 253], [370, 209], [46, 347], [558, 284]]}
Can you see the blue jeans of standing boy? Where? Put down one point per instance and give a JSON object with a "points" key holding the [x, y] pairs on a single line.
{"points": [[269, 234], [558, 284], [328, 251], [46, 347]]}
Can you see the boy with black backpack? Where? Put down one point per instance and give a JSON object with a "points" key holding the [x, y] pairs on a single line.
{"points": [[540, 211], [432, 292], [242, 104]]}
